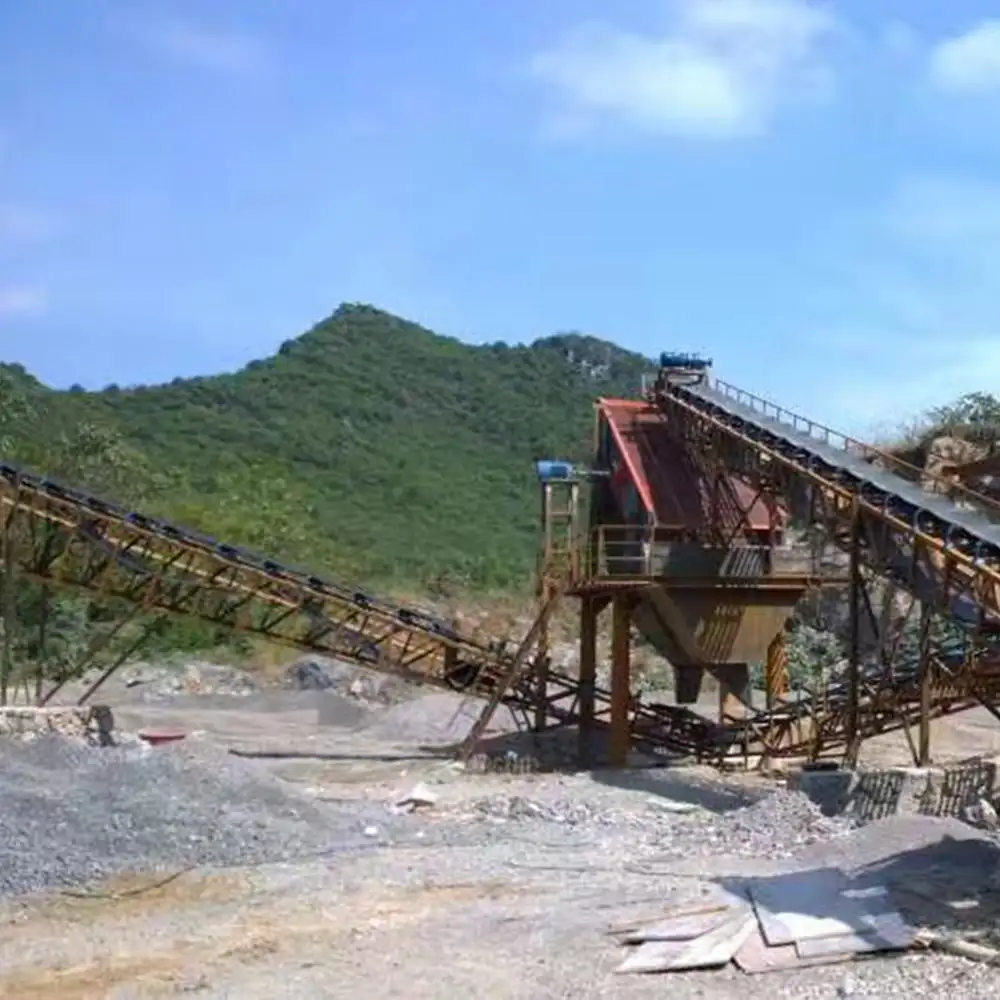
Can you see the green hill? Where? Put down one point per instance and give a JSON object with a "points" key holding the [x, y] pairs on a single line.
{"points": [[368, 447]]}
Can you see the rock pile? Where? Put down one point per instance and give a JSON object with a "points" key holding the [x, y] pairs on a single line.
{"points": [[71, 815], [314, 673], [90, 725]]}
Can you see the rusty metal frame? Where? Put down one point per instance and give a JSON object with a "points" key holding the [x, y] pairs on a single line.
{"points": [[900, 692], [65, 538], [68, 539]]}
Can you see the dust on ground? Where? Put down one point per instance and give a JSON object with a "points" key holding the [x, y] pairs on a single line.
{"points": [[286, 869]]}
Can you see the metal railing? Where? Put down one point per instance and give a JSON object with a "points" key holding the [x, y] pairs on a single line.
{"points": [[854, 447], [612, 551]]}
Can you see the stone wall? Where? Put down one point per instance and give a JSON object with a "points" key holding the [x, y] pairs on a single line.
{"points": [[92, 725]]}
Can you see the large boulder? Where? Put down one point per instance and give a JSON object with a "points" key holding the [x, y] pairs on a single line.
{"points": [[942, 455]]}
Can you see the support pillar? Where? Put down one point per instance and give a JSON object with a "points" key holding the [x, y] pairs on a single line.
{"points": [[734, 690], [854, 651], [926, 682], [621, 680], [776, 683], [588, 678], [7, 597], [542, 665], [43, 622]]}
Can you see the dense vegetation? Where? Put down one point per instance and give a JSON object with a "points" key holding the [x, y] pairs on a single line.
{"points": [[368, 447]]}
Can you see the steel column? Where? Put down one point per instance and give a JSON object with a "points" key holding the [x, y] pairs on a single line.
{"points": [[853, 729], [589, 609], [926, 680], [9, 610], [621, 679]]}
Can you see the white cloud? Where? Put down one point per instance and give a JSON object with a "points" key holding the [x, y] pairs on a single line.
{"points": [[721, 69], [21, 301], [970, 62], [230, 52]]}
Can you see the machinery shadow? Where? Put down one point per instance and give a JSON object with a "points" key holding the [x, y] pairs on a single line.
{"points": [[673, 785], [944, 885], [382, 758], [660, 776]]}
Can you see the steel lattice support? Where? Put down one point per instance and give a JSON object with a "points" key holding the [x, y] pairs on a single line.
{"points": [[8, 622], [776, 681], [64, 538], [136, 560], [914, 673]]}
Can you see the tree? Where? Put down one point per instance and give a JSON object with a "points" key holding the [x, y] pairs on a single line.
{"points": [[16, 412], [96, 457], [975, 416]]}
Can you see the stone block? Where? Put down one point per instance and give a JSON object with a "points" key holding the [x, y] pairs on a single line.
{"points": [[92, 725]]}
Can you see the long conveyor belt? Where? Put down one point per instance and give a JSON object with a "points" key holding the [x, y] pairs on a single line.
{"points": [[944, 553], [70, 538], [937, 548]]}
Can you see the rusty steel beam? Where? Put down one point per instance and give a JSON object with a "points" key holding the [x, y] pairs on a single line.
{"points": [[944, 577], [69, 539], [621, 679]]}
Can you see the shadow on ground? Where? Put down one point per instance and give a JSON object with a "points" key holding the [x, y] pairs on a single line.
{"points": [[386, 758], [556, 751], [944, 883], [674, 785]]}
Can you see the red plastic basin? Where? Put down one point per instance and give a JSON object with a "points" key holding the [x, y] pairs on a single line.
{"points": [[158, 738]]}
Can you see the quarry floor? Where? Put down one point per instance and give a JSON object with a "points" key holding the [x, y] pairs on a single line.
{"points": [[311, 883]]}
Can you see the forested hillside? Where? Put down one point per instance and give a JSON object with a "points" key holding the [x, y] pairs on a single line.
{"points": [[367, 447]]}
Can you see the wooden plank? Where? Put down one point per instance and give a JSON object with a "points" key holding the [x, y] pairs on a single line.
{"points": [[719, 946], [883, 932], [654, 956], [755, 956], [636, 924], [682, 927], [713, 949]]}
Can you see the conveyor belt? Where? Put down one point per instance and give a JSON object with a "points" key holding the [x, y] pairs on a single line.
{"points": [[914, 536], [69, 537], [969, 530]]}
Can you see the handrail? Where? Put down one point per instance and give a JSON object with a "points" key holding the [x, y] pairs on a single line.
{"points": [[851, 445], [647, 551]]}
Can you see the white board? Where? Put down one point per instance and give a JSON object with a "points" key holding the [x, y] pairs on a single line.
{"points": [[816, 904]]}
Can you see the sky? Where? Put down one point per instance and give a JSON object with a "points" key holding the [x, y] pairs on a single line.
{"points": [[807, 192]]}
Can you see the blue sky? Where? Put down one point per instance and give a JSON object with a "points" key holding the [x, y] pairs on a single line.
{"points": [[808, 192]]}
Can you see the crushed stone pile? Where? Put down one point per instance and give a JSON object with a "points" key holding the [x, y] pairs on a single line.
{"points": [[570, 812], [777, 826], [71, 814], [784, 819], [159, 682]]}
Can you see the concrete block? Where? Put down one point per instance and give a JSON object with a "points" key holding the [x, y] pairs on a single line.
{"points": [[870, 794], [830, 790]]}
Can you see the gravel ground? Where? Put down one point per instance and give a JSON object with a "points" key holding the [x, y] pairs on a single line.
{"points": [[70, 814], [502, 888]]}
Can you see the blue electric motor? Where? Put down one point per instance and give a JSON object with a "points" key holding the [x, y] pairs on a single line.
{"points": [[691, 362], [550, 470]]}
